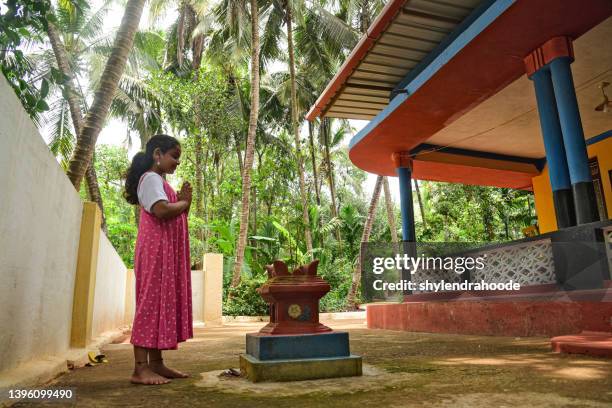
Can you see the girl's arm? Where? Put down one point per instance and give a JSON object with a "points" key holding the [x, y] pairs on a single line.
{"points": [[165, 210]]}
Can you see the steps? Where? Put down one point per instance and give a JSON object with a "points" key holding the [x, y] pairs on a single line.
{"points": [[591, 343]]}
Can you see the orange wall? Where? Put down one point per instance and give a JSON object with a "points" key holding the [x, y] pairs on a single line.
{"points": [[542, 190]]}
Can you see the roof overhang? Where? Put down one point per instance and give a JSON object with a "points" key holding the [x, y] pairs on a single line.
{"points": [[478, 64], [399, 39], [483, 56]]}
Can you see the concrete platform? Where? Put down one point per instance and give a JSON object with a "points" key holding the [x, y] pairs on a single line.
{"points": [[299, 369], [597, 344]]}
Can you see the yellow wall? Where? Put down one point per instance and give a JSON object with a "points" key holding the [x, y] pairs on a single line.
{"points": [[603, 152], [542, 190], [85, 281]]}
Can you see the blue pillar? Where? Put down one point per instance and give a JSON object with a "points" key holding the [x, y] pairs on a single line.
{"points": [[407, 209], [555, 151], [404, 172], [573, 138]]}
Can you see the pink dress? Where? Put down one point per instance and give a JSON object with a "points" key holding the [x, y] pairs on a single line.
{"points": [[163, 316]]}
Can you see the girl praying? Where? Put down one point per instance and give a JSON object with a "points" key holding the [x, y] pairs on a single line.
{"points": [[163, 314]]}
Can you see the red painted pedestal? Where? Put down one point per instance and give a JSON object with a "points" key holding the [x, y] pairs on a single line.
{"points": [[294, 346], [294, 300]]}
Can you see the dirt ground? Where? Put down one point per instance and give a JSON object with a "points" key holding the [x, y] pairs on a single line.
{"points": [[401, 369]]}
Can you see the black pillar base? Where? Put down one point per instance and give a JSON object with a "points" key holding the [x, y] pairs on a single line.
{"points": [[579, 256], [564, 208], [585, 202]]}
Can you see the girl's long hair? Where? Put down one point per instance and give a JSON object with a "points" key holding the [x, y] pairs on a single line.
{"points": [[142, 162]]}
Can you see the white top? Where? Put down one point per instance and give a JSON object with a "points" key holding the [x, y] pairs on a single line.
{"points": [[151, 190]]}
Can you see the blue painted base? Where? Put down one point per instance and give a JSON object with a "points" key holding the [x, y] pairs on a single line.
{"points": [[323, 345]]}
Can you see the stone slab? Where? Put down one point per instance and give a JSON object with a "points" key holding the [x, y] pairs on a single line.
{"points": [[283, 347], [299, 369]]}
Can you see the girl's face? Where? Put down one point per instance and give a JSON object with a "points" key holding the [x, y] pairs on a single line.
{"points": [[168, 161]]}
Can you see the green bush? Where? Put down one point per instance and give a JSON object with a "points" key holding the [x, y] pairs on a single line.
{"points": [[245, 301], [339, 276]]}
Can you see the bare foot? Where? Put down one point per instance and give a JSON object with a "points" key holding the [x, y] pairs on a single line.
{"points": [[161, 369], [147, 376]]}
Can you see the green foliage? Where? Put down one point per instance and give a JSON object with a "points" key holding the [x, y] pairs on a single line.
{"points": [[23, 22], [245, 300], [338, 274], [207, 107], [456, 212], [198, 106], [111, 165]]}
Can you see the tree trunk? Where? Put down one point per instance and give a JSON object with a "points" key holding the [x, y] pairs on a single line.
{"points": [[180, 33], [365, 237], [325, 128], [239, 156], [314, 163], [137, 215], [254, 226], [487, 214], [506, 208], [206, 199], [93, 189], [390, 212], [216, 164], [330, 173], [197, 42], [364, 17], [420, 200], [296, 131], [197, 49], [144, 139], [250, 144], [72, 97], [529, 208], [198, 176], [109, 81], [506, 226]]}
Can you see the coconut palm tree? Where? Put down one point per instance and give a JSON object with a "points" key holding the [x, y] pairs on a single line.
{"points": [[252, 129], [361, 12], [72, 101], [351, 298], [78, 39], [188, 33], [390, 210], [315, 38], [79, 45], [109, 81], [278, 14], [311, 16], [295, 125], [420, 201]]}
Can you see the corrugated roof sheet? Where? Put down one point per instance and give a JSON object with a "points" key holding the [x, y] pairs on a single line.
{"points": [[403, 34]]}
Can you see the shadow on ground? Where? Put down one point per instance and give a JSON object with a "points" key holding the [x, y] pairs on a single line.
{"points": [[401, 370]]}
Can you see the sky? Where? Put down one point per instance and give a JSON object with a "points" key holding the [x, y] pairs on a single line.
{"points": [[115, 132]]}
